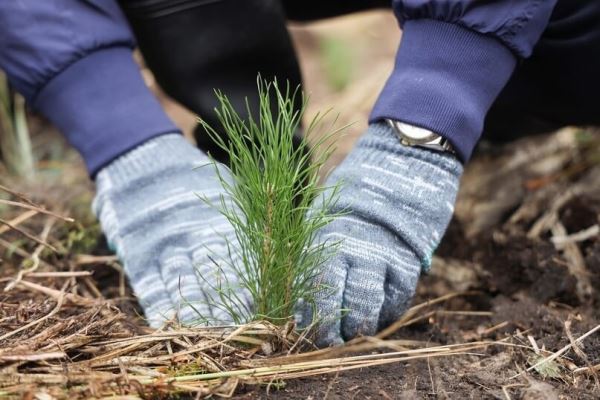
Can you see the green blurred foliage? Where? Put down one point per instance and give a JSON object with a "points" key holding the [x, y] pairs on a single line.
{"points": [[338, 61]]}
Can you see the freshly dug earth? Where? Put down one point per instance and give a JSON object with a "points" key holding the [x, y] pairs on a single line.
{"points": [[522, 281]]}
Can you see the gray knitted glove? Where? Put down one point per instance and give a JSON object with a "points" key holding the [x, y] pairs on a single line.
{"points": [[148, 207], [398, 202]]}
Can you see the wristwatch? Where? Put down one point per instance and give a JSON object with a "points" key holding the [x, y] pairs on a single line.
{"points": [[411, 135]]}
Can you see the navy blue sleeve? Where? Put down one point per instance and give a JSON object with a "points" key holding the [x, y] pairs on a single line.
{"points": [[72, 60], [454, 58]]}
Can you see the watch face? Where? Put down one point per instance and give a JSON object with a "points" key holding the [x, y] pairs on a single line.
{"points": [[411, 135], [415, 134]]}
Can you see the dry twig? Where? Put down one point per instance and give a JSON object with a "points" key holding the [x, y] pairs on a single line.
{"points": [[560, 352]]}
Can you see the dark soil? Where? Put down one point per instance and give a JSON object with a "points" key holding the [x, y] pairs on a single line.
{"points": [[528, 289]]}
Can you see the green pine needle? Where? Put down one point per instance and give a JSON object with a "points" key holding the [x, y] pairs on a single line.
{"points": [[273, 209]]}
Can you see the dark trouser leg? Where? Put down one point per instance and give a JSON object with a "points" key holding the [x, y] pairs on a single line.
{"points": [[560, 84], [306, 10], [194, 47]]}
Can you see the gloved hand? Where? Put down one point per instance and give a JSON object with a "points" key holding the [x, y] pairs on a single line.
{"points": [[398, 201], [165, 236]]}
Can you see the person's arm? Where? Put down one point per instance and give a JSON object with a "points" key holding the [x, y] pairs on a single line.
{"points": [[73, 62], [454, 59], [72, 59]]}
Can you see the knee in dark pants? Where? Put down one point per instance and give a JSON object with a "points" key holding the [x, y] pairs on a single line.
{"points": [[307, 10], [194, 47], [559, 84]]}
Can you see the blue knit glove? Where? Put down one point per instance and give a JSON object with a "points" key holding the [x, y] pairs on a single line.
{"points": [[166, 237], [398, 202]]}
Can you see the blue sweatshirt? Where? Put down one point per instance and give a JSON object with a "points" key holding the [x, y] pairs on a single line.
{"points": [[72, 60]]}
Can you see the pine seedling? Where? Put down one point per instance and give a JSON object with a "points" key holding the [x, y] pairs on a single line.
{"points": [[272, 208]]}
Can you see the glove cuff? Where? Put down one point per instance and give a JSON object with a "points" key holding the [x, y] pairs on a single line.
{"points": [[170, 153]]}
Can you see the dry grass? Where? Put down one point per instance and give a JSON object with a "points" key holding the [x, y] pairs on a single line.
{"points": [[61, 338], [62, 344], [56, 341]]}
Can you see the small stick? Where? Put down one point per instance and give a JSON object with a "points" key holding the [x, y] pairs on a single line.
{"points": [[330, 385], [575, 263], [536, 348], [39, 209], [34, 357], [384, 394], [57, 293], [585, 234], [579, 351], [550, 217], [408, 316], [59, 274], [19, 195], [84, 259], [91, 286], [433, 391], [560, 352], [494, 328], [575, 345], [35, 256], [18, 220], [470, 313], [30, 236], [592, 369]]}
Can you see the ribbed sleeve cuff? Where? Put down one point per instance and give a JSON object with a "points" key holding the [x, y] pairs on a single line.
{"points": [[445, 79], [101, 104]]}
